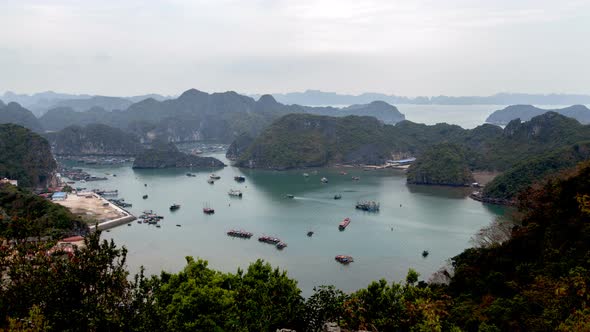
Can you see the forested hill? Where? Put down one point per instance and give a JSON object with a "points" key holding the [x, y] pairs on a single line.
{"points": [[196, 115], [94, 139], [14, 113], [527, 112], [26, 157], [299, 140]]}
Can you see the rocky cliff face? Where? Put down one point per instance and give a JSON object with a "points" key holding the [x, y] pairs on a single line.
{"points": [[95, 139], [26, 157], [527, 112], [442, 164], [168, 156]]}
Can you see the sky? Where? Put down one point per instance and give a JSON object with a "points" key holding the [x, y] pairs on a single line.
{"points": [[402, 47]]}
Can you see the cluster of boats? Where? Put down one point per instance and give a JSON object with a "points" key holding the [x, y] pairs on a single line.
{"points": [[150, 218], [369, 206], [239, 233], [120, 203], [273, 240]]}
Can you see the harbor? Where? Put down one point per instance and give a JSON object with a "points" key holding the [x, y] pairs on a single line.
{"points": [[386, 243]]}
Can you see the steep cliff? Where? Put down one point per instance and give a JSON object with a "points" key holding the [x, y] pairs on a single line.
{"points": [[26, 157], [14, 113], [441, 164]]}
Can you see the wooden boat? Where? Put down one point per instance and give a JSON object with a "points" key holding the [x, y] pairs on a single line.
{"points": [[344, 259], [281, 245], [208, 210], [370, 206], [239, 233], [269, 239], [343, 224]]}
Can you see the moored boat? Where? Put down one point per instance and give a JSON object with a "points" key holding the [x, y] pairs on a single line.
{"points": [[239, 178], [174, 207], [370, 206], [210, 181], [208, 210], [344, 259], [239, 233], [343, 224], [214, 176], [281, 245], [269, 239]]}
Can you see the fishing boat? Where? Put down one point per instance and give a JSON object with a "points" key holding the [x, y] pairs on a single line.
{"points": [[174, 207], [239, 233], [344, 259], [290, 196], [305, 175], [425, 253], [369, 206], [145, 196], [310, 233], [343, 224], [281, 245], [214, 176], [210, 181], [324, 180], [208, 210], [239, 178], [337, 196], [356, 178], [269, 239], [235, 193]]}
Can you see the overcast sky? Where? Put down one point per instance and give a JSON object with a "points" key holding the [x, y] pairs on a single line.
{"points": [[403, 47]]}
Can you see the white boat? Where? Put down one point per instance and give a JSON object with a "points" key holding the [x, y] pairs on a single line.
{"points": [[324, 180], [214, 176], [305, 175]]}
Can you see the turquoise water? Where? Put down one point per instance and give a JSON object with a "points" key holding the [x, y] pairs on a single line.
{"points": [[384, 244]]}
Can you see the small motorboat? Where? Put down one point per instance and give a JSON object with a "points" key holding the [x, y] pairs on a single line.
{"points": [[174, 207], [214, 176], [281, 245], [145, 196], [290, 196], [235, 193], [324, 180], [343, 173], [210, 181], [239, 178], [355, 178], [425, 253], [158, 226], [305, 175], [337, 196], [310, 233], [208, 210]]}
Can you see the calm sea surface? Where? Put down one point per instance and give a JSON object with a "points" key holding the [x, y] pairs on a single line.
{"points": [[384, 244]]}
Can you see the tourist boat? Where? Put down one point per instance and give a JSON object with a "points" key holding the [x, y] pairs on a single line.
{"points": [[370, 206], [174, 207], [355, 178], [239, 233], [337, 196], [281, 245], [344, 259], [290, 196], [235, 193], [324, 180], [214, 176], [310, 233], [239, 178], [305, 175], [210, 181], [145, 196], [343, 224], [269, 239]]}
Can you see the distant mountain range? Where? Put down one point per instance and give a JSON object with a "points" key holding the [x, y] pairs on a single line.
{"points": [[39, 103], [527, 112], [317, 98]]}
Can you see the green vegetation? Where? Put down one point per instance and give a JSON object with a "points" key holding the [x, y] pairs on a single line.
{"points": [[507, 185], [94, 139], [24, 214], [25, 156], [529, 273], [15, 114], [167, 155], [441, 164]]}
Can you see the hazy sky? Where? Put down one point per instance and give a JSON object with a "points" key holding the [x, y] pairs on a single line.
{"points": [[404, 47]]}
